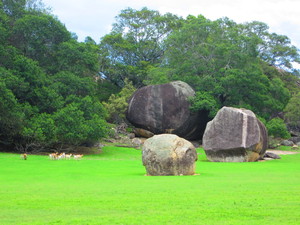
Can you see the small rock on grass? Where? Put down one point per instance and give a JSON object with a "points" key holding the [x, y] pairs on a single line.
{"points": [[271, 155]]}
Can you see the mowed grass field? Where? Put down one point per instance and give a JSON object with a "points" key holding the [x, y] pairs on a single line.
{"points": [[110, 188]]}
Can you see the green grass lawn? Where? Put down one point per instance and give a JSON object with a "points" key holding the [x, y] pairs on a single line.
{"points": [[110, 188]]}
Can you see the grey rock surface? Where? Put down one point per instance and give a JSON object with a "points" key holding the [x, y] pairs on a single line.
{"points": [[168, 154], [139, 132], [295, 140], [165, 108], [235, 135], [271, 155], [287, 143]]}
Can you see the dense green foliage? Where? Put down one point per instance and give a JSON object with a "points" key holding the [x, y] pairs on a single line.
{"points": [[117, 104], [277, 128], [135, 44], [110, 188], [221, 59], [48, 92], [228, 64], [52, 85], [292, 112]]}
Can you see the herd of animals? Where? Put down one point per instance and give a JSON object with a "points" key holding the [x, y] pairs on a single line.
{"points": [[57, 156]]}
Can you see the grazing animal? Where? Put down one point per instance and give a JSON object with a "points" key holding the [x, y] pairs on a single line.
{"points": [[53, 156], [23, 156], [61, 156], [68, 156], [78, 157]]}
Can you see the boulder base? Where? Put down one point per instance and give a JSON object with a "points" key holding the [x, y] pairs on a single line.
{"points": [[168, 154], [235, 135]]}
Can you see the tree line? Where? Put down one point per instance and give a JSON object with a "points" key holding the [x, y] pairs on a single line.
{"points": [[48, 96], [56, 91], [227, 64]]}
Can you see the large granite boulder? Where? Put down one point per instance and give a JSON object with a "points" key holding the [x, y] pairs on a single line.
{"points": [[165, 108], [168, 154], [235, 135]]}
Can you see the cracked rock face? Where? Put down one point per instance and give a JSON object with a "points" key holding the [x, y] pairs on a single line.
{"points": [[168, 154], [235, 135], [165, 108]]}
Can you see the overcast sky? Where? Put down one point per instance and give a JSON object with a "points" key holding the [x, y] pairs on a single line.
{"points": [[95, 17]]}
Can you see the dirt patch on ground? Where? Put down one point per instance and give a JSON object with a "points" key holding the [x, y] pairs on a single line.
{"points": [[279, 152]]}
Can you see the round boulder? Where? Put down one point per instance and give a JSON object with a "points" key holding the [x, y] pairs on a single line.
{"points": [[235, 135], [165, 108], [168, 154]]}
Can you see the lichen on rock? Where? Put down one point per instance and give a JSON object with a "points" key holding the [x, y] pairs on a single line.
{"points": [[168, 154]]}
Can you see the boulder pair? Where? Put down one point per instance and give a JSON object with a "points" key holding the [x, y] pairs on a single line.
{"points": [[234, 135]]}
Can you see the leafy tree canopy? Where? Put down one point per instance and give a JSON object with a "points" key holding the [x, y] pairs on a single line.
{"points": [[135, 42], [221, 60], [117, 103], [292, 113], [47, 81]]}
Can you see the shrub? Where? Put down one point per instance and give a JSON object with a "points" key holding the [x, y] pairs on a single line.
{"points": [[277, 128], [292, 113], [204, 101], [80, 122], [117, 104]]}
